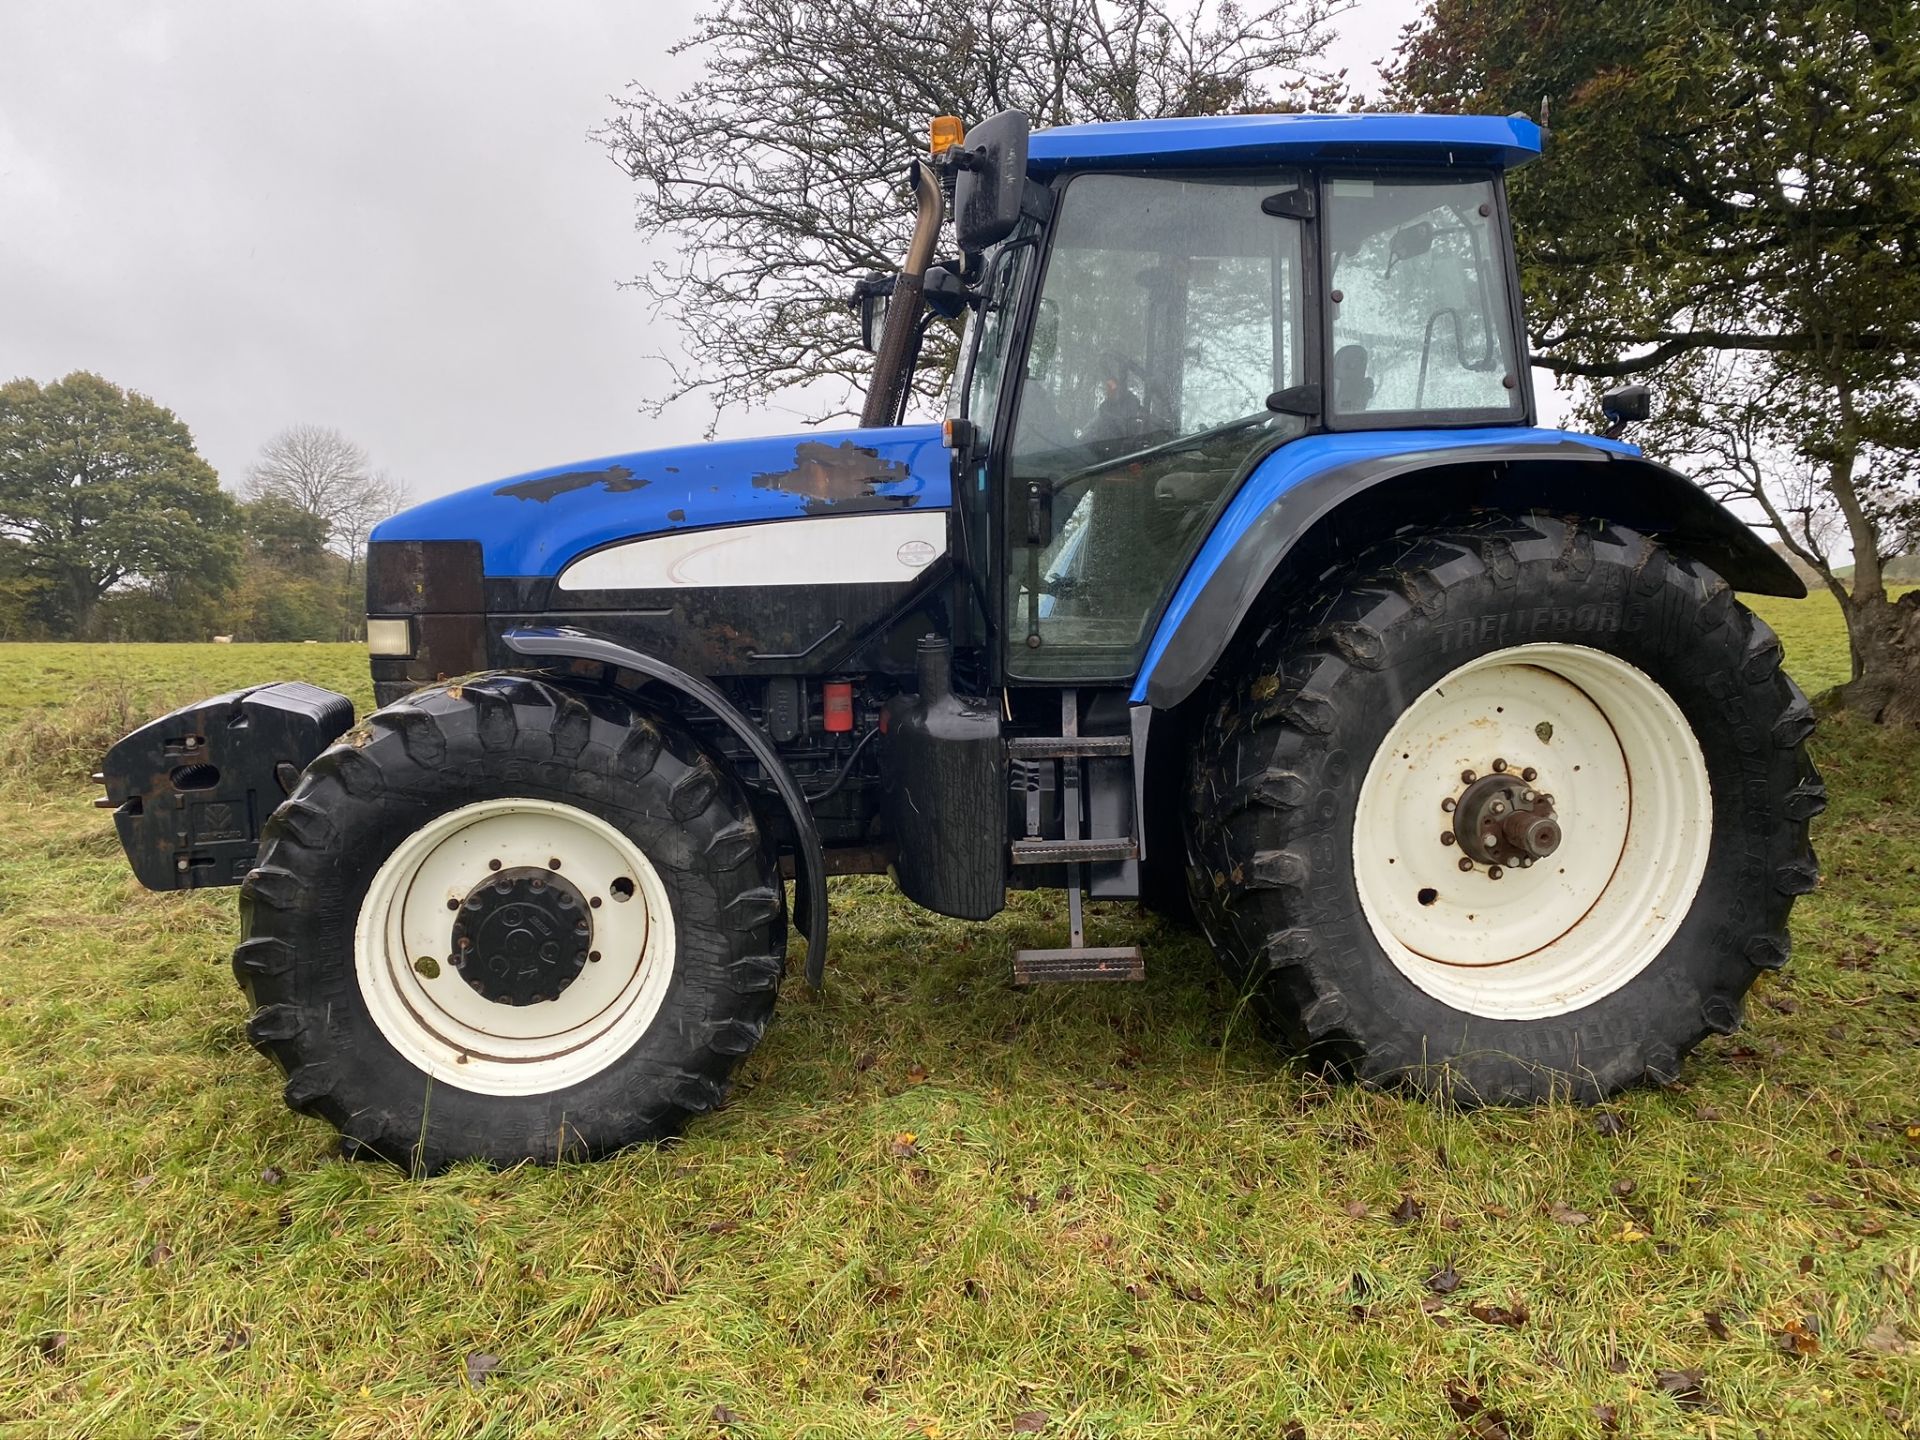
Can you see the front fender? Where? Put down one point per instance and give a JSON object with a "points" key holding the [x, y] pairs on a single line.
{"points": [[1355, 485], [810, 865]]}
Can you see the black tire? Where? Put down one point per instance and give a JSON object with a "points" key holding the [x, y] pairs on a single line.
{"points": [[493, 737], [1299, 711]]}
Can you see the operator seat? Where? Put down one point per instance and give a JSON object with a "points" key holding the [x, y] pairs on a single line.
{"points": [[1352, 386]]}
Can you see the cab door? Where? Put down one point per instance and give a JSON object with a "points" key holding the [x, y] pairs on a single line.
{"points": [[1170, 308]]}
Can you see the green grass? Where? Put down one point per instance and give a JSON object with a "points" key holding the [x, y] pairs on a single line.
{"points": [[1118, 1207]]}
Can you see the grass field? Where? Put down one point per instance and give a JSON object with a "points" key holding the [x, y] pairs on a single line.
{"points": [[937, 1206]]}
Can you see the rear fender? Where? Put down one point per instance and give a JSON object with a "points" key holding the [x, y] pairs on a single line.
{"points": [[1285, 522]]}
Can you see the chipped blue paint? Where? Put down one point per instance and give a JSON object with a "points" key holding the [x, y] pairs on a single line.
{"points": [[533, 524]]}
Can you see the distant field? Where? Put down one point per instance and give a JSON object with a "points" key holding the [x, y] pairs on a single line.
{"points": [[46, 676], [939, 1206]]}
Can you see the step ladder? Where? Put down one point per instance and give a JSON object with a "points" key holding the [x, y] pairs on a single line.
{"points": [[1069, 751]]}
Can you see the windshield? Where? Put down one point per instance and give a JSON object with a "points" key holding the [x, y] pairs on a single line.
{"points": [[1421, 316], [1171, 308]]}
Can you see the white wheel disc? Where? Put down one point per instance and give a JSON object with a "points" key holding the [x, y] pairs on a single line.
{"points": [[431, 1014], [1628, 787]]}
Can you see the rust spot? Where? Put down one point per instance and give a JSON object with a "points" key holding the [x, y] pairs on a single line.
{"points": [[827, 474], [676, 515], [615, 478]]}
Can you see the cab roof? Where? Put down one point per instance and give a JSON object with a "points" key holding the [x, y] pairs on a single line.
{"points": [[1506, 142]]}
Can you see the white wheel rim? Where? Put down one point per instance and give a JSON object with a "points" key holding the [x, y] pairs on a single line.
{"points": [[439, 1022], [1629, 786]]}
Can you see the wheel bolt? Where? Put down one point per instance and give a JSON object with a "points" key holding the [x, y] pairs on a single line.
{"points": [[493, 864], [453, 903], [1448, 804], [1467, 777], [554, 864], [1494, 872], [1446, 837], [1499, 767], [1529, 774], [1465, 863]]}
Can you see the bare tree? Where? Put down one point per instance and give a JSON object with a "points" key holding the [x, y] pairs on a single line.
{"points": [[776, 176], [1834, 472], [322, 472]]}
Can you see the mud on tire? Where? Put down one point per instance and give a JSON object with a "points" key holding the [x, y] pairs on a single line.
{"points": [[1297, 716], [452, 746]]}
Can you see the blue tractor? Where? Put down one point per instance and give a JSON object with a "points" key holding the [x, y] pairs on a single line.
{"points": [[1239, 581]]}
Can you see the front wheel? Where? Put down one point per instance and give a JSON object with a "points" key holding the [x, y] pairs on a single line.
{"points": [[509, 922], [1514, 809]]}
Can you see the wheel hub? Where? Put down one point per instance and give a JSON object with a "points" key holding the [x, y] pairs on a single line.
{"points": [[1502, 820], [522, 936]]}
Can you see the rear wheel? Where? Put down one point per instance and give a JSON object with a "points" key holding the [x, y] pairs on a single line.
{"points": [[1512, 809], [508, 922]]}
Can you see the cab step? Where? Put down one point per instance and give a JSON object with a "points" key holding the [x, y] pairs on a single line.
{"points": [[1069, 751], [1064, 852], [1089, 962], [1068, 747]]}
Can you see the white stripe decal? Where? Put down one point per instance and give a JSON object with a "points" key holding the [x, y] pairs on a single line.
{"points": [[867, 549]]}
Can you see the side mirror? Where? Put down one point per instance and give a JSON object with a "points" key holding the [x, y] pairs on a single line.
{"points": [[945, 290], [992, 180], [1625, 406], [1409, 242], [869, 301]]}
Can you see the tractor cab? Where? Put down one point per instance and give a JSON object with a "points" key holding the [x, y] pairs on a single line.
{"points": [[1153, 323]]}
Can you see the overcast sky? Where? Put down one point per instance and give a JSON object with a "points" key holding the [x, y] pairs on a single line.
{"points": [[379, 215]]}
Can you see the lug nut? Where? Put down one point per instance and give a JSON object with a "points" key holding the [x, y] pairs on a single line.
{"points": [[554, 863], [1499, 767], [1529, 774], [1467, 777], [1465, 863], [1448, 804], [1494, 872], [1446, 837], [493, 864]]}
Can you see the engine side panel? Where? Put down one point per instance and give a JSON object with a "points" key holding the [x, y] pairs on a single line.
{"points": [[534, 525]]}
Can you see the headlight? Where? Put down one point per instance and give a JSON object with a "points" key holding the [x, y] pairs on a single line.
{"points": [[390, 637]]}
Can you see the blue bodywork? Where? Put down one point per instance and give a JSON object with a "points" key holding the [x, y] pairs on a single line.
{"points": [[1504, 142], [1295, 463], [532, 525]]}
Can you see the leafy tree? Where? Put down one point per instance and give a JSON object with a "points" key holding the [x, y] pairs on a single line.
{"points": [[328, 477], [102, 488], [775, 176], [1731, 204], [291, 583]]}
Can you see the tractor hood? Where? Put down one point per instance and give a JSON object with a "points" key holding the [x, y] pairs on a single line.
{"points": [[534, 524]]}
